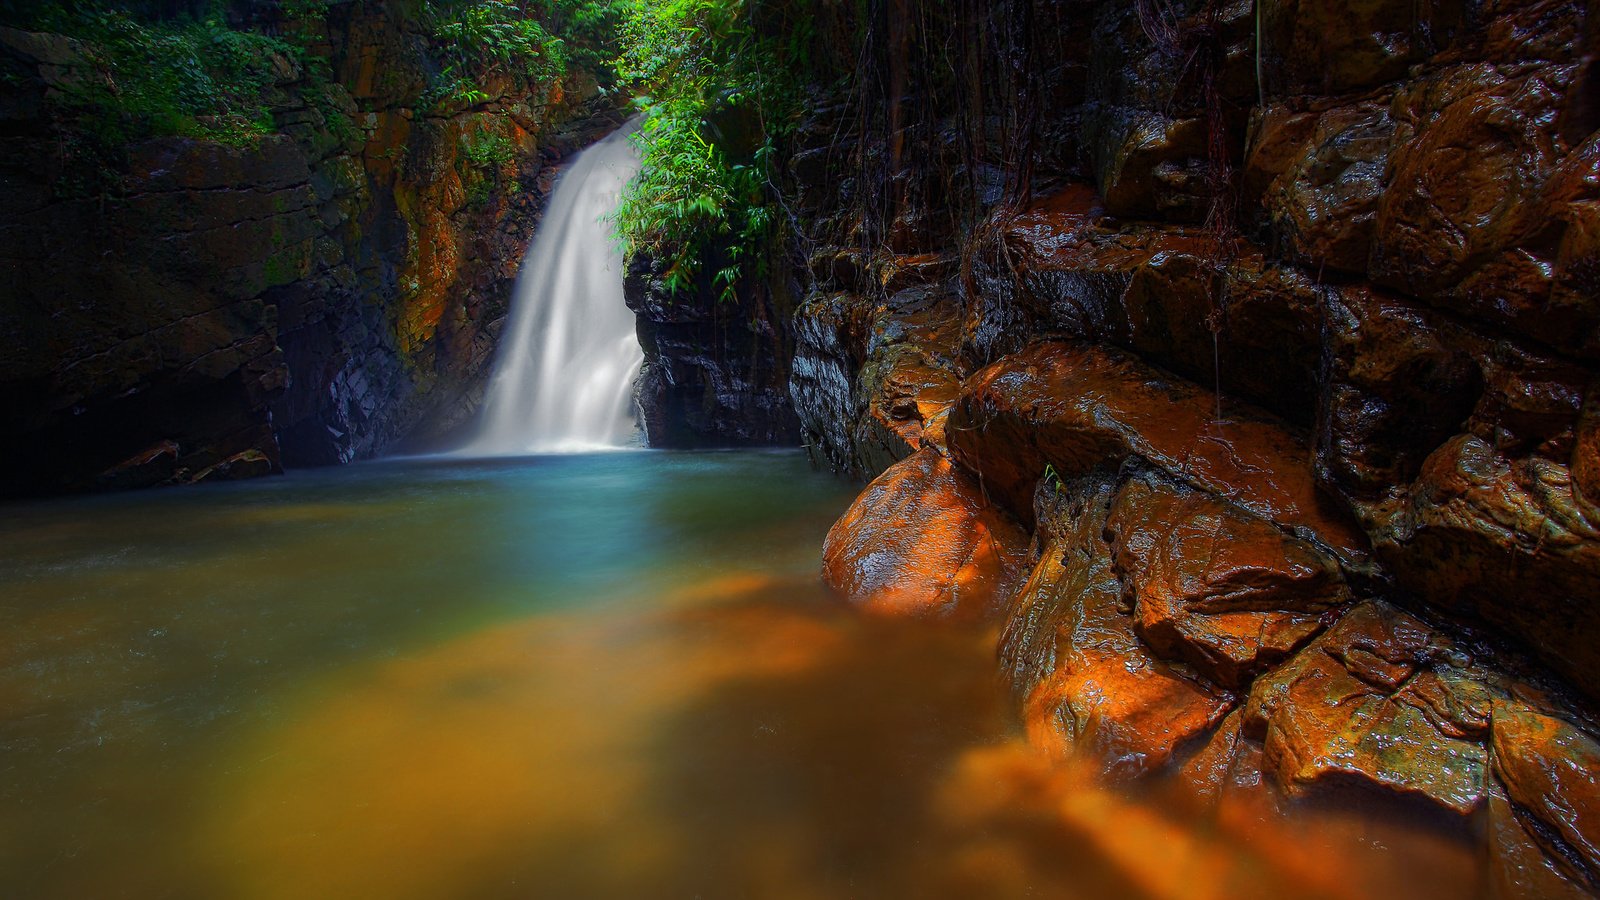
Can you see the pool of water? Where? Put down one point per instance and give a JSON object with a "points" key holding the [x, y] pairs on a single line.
{"points": [[586, 676]]}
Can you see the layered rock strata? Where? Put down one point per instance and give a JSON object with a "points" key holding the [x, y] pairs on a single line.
{"points": [[1296, 400]]}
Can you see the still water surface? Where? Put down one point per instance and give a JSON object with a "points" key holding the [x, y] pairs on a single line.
{"points": [[587, 676]]}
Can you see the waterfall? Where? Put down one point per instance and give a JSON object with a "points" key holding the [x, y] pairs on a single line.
{"points": [[564, 372]]}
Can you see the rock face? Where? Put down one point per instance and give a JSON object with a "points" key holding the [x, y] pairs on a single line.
{"points": [[716, 374], [1275, 327], [314, 296]]}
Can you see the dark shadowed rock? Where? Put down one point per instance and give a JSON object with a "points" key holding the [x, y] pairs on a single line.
{"points": [[716, 373], [1323, 206], [1473, 151], [1504, 540]]}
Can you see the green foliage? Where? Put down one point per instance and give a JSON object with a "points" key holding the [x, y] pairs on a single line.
{"points": [[587, 28], [479, 39], [715, 93], [490, 152], [1053, 478], [198, 78]]}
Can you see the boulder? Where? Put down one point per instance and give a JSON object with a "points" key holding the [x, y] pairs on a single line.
{"points": [[1399, 384], [923, 541], [1549, 770], [1323, 206], [1091, 686], [1075, 408], [1331, 46], [1217, 587], [1505, 540], [1369, 705], [1228, 763], [1518, 864], [1473, 150]]}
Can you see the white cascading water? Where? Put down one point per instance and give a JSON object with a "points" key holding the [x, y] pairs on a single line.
{"points": [[564, 373]]}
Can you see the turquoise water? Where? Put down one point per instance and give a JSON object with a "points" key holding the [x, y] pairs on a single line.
{"points": [[581, 676]]}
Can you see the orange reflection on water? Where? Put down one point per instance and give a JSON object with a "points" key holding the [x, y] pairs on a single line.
{"points": [[745, 739]]}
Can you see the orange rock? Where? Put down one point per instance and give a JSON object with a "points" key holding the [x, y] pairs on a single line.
{"points": [[910, 396], [1357, 705], [1503, 539], [1076, 408], [1473, 153], [1092, 686], [1518, 866], [1228, 763], [910, 376], [921, 540], [1551, 772], [1219, 588]]}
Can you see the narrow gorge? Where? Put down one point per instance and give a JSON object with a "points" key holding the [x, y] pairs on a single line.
{"points": [[1215, 382]]}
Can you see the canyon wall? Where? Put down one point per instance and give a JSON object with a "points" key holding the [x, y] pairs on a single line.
{"points": [[1238, 361], [209, 309]]}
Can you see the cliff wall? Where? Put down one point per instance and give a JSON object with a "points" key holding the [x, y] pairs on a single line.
{"points": [[194, 308], [1239, 360]]}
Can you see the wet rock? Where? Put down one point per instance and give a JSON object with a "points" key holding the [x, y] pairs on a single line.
{"points": [[1473, 150], [911, 393], [922, 540], [1548, 768], [1227, 764], [1252, 323], [1223, 590], [1330, 46], [1279, 134], [1546, 287], [1367, 705], [1504, 540], [1323, 206], [1176, 297], [716, 373], [872, 382], [1075, 408], [1047, 270], [153, 465], [1518, 865], [249, 464], [1090, 685], [829, 349], [1157, 169], [910, 377], [1398, 385]]}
